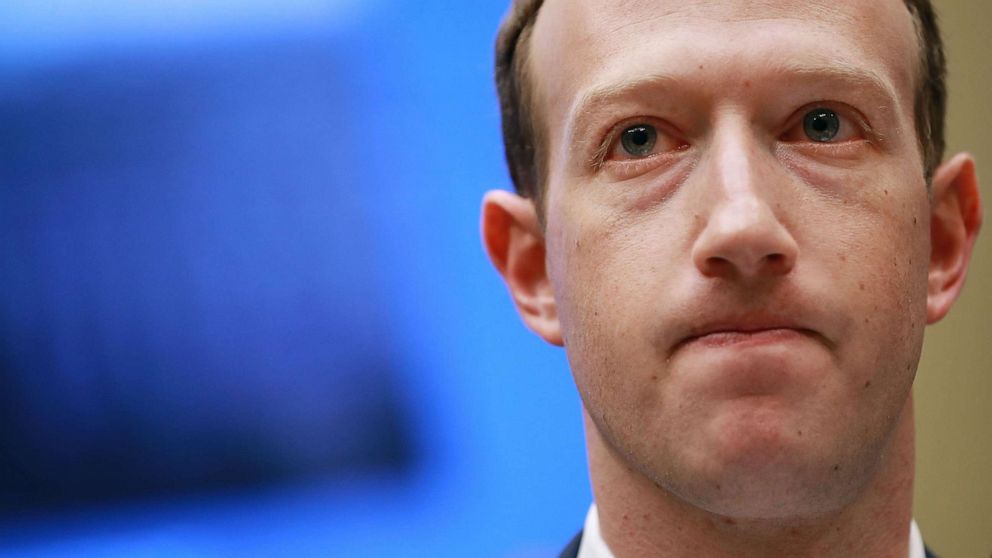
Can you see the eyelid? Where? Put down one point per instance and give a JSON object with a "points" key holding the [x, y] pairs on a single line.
{"points": [[845, 112], [666, 133]]}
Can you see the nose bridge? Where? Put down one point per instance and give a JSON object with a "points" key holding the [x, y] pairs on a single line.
{"points": [[733, 163], [739, 173], [741, 199]]}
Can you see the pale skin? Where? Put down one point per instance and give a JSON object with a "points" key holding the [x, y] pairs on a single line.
{"points": [[742, 307]]}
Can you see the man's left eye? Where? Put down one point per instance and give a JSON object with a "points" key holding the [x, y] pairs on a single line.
{"points": [[823, 125]]}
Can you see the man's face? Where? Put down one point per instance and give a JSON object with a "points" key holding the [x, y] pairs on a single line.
{"points": [[737, 237]]}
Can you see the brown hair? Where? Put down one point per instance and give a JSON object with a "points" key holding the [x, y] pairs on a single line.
{"points": [[522, 137]]}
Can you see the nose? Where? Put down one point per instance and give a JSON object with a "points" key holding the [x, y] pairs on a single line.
{"points": [[743, 204]]}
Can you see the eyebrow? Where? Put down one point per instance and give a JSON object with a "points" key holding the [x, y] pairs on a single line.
{"points": [[861, 78], [849, 75]]}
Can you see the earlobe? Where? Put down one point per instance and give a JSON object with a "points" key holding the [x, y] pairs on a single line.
{"points": [[955, 219], [514, 241]]}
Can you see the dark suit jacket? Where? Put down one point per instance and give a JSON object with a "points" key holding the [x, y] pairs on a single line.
{"points": [[572, 550]]}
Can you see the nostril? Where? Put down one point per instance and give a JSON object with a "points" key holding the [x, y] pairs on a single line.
{"points": [[777, 263], [715, 265]]}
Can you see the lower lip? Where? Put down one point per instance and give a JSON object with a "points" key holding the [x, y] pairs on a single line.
{"points": [[747, 338]]}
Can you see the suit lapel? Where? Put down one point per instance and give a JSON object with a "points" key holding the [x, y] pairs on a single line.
{"points": [[572, 550]]}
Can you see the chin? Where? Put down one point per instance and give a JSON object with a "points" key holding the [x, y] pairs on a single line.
{"points": [[763, 469]]}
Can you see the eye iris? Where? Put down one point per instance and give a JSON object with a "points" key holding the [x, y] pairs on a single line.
{"points": [[639, 140], [821, 125]]}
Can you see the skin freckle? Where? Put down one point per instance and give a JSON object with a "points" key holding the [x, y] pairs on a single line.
{"points": [[867, 384]]}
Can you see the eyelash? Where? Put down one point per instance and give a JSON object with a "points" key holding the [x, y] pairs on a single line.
{"points": [[850, 118], [611, 141]]}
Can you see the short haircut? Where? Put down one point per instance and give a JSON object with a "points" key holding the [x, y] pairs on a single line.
{"points": [[523, 135]]}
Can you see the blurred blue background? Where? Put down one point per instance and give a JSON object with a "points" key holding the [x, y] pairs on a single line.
{"points": [[244, 309]]}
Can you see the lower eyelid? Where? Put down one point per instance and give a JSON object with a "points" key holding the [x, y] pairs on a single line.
{"points": [[848, 149], [625, 169], [665, 144]]}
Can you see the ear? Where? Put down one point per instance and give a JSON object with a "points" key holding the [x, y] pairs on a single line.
{"points": [[955, 218], [514, 241]]}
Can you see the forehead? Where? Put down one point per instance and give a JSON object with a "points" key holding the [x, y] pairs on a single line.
{"points": [[580, 45]]}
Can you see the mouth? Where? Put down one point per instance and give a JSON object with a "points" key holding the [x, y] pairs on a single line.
{"points": [[747, 332], [750, 337]]}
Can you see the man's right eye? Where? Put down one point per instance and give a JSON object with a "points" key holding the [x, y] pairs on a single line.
{"points": [[636, 146], [639, 140]]}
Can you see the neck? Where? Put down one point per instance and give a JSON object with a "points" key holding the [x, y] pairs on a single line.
{"points": [[639, 518]]}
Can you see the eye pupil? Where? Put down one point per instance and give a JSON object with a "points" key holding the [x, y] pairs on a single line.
{"points": [[821, 124], [639, 140]]}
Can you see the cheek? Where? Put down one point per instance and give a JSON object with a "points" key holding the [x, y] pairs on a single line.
{"points": [[611, 284], [876, 265]]}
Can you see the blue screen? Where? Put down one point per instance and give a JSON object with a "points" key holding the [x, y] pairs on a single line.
{"points": [[244, 308]]}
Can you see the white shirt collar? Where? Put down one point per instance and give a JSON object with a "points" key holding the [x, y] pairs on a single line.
{"points": [[592, 544]]}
